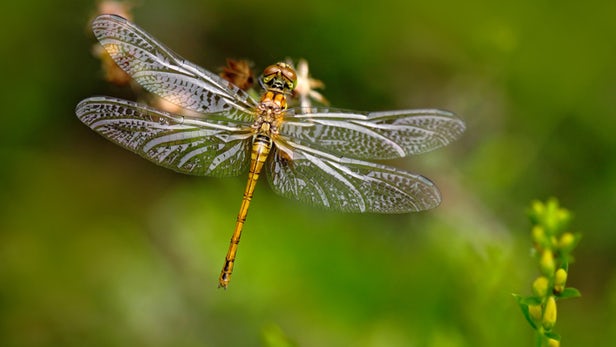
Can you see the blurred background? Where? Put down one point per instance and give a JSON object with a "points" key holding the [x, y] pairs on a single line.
{"points": [[99, 247]]}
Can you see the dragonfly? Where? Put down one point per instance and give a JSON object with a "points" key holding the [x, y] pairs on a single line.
{"points": [[321, 156]]}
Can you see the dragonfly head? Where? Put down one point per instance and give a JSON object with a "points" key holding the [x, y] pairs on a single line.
{"points": [[279, 77]]}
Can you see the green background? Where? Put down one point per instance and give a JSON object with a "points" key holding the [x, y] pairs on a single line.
{"points": [[99, 247]]}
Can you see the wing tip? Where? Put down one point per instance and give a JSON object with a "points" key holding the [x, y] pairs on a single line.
{"points": [[82, 107], [106, 17], [100, 24]]}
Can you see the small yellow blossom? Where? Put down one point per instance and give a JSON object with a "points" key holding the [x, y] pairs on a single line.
{"points": [[540, 286], [538, 235], [538, 207], [560, 278], [535, 312], [547, 262], [566, 242], [549, 314]]}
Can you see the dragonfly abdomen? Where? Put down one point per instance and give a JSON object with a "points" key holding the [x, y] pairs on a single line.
{"points": [[261, 146]]}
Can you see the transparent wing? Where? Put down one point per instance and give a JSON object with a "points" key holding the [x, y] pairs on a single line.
{"points": [[349, 185], [371, 135], [191, 146], [166, 74]]}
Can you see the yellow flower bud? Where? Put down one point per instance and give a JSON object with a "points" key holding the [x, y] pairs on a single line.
{"points": [[547, 262], [538, 207], [560, 278], [549, 314], [535, 312], [538, 235], [540, 286], [566, 242], [553, 343]]}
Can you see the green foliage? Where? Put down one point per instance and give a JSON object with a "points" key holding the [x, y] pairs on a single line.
{"points": [[552, 245], [273, 336]]}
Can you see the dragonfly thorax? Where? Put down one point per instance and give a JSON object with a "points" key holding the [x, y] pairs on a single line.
{"points": [[272, 102], [270, 113]]}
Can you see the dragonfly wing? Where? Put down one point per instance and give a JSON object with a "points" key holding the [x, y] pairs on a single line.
{"points": [[373, 135], [349, 185], [191, 146], [164, 73]]}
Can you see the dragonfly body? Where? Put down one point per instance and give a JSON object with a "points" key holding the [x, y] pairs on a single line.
{"points": [[278, 80], [315, 155]]}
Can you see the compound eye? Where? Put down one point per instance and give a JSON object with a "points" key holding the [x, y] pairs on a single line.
{"points": [[271, 70], [289, 74]]}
